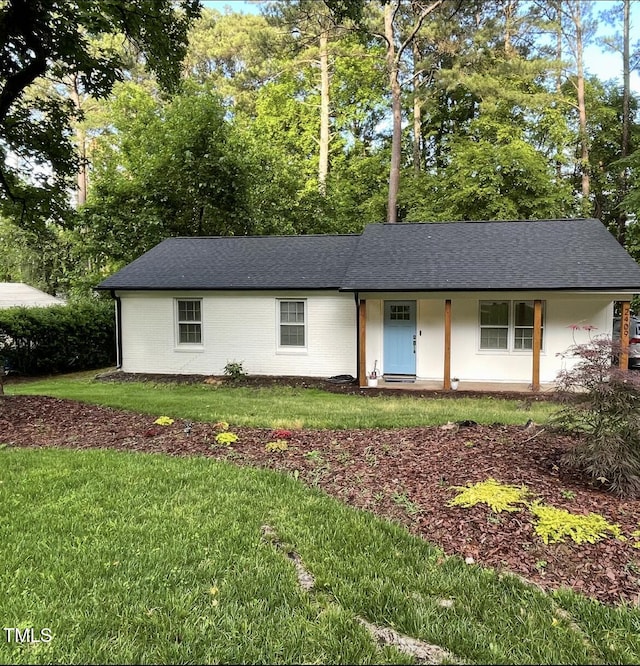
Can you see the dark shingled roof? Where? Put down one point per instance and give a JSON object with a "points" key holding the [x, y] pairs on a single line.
{"points": [[240, 262], [443, 256], [532, 254]]}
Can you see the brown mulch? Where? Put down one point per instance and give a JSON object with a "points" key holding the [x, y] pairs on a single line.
{"points": [[402, 474]]}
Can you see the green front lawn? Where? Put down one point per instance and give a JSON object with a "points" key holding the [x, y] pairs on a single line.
{"points": [[134, 558], [282, 406], [137, 558]]}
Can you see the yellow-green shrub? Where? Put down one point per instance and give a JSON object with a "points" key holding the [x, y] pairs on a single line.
{"points": [[277, 445], [498, 496], [556, 524], [226, 438]]}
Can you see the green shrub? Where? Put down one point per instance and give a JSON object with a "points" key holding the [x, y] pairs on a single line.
{"points": [[497, 496], [277, 445], [234, 370], [226, 438], [61, 338], [604, 411], [556, 524]]}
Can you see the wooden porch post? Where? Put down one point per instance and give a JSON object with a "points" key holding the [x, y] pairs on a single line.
{"points": [[447, 345], [362, 343], [625, 323], [537, 344]]}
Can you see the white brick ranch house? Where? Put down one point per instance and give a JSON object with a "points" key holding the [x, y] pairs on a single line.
{"points": [[483, 301]]}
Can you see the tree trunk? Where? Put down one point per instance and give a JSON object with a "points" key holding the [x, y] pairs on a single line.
{"points": [[582, 109], [558, 15], [81, 142], [323, 165], [626, 119], [396, 110], [508, 9], [417, 112]]}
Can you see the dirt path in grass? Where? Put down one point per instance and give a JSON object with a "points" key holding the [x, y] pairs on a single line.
{"points": [[402, 474]]}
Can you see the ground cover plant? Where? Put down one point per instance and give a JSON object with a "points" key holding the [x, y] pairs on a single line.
{"points": [[407, 474]]}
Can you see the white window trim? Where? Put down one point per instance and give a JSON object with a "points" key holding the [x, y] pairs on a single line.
{"points": [[511, 328], [292, 349], [187, 346]]}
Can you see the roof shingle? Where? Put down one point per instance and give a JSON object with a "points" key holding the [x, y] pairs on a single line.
{"points": [[239, 262], [443, 256], [475, 256]]}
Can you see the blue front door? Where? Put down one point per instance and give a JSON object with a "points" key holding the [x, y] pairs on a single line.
{"points": [[399, 338]]}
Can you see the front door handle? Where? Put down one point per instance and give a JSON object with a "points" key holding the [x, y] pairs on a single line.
{"points": [[414, 344]]}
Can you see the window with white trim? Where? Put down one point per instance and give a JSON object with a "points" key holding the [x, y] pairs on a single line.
{"points": [[292, 323], [507, 325], [189, 321]]}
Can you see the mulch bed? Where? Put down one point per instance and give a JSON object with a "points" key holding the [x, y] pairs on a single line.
{"points": [[404, 475]]}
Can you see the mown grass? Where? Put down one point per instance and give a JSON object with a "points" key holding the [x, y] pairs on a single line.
{"points": [[138, 558], [283, 406]]}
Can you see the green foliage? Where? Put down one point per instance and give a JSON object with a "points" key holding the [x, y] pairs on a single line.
{"points": [[605, 413], [154, 540], [235, 148], [551, 524], [490, 178], [60, 338], [57, 41], [236, 53], [282, 407], [171, 169], [164, 421], [226, 438], [277, 445], [497, 496], [555, 525], [234, 370]]}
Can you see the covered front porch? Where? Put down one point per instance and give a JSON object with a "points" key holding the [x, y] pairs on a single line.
{"points": [[450, 343], [426, 385]]}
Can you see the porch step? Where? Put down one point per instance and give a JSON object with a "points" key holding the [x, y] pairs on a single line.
{"points": [[406, 379]]}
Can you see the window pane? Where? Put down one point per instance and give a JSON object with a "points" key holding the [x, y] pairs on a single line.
{"points": [[400, 313], [189, 310], [292, 312], [523, 338], [291, 336], [493, 338], [494, 313], [190, 333], [523, 312]]}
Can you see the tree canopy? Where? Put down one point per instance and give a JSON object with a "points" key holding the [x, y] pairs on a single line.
{"points": [[46, 42], [124, 122]]}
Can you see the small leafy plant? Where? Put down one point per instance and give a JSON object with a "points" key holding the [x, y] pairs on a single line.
{"points": [[234, 370], [497, 496], [555, 525], [226, 438], [281, 433], [277, 445], [314, 456], [163, 421], [550, 523], [403, 501]]}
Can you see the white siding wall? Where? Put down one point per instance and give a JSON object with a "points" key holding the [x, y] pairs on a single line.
{"points": [[238, 326], [468, 362]]}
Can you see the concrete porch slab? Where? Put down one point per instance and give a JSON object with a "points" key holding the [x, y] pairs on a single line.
{"points": [[475, 387]]}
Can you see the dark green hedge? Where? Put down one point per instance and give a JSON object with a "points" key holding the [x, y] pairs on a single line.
{"points": [[61, 338]]}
